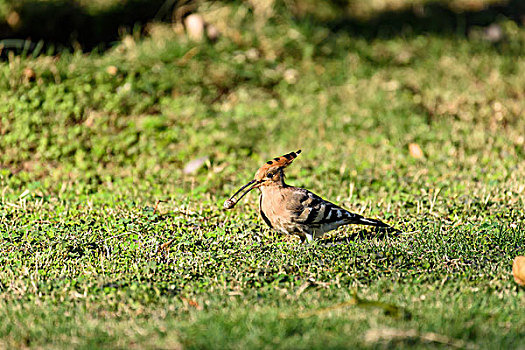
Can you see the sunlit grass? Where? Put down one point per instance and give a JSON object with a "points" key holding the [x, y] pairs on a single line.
{"points": [[92, 152]]}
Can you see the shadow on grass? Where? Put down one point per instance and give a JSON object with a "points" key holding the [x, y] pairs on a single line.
{"points": [[435, 17], [62, 24], [379, 233], [65, 23]]}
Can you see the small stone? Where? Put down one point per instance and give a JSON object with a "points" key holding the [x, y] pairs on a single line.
{"points": [[194, 27], [493, 33], [13, 19], [290, 76], [252, 54], [212, 33], [29, 74]]}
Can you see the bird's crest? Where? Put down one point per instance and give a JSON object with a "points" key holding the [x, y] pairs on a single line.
{"points": [[276, 163]]}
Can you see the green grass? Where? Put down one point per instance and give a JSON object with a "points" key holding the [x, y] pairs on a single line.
{"points": [[86, 156]]}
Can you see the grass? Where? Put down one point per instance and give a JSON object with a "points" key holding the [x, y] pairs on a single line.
{"points": [[92, 152]]}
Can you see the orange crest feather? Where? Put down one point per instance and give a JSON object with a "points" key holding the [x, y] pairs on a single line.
{"points": [[276, 163]]}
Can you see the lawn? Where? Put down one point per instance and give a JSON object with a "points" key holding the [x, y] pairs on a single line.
{"points": [[95, 176]]}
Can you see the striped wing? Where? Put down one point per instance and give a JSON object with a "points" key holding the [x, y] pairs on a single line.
{"points": [[307, 208]]}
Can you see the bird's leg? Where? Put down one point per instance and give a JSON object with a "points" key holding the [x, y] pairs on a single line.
{"points": [[309, 238], [306, 238], [303, 238]]}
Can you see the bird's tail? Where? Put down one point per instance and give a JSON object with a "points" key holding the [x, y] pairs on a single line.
{"points": [[369, 222]]}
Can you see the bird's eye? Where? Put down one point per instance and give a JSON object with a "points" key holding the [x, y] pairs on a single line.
{"points": [[270, 175]]}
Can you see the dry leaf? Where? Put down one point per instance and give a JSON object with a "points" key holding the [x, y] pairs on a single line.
{"points": [[191, 303], [518, 270], [194, 165], [415, 151], [112, 70]]}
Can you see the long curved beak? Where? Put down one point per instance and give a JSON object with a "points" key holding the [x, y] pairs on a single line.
{"points": [[242, 188], [231, 202]]}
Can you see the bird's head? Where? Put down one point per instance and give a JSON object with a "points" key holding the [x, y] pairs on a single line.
{"points": [[271, 172]]}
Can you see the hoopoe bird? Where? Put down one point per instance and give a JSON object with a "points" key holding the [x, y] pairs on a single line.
{"points": [[293, 210]]}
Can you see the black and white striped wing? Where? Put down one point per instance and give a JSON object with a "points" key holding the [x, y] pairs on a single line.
{"points": [[309, 209], [321, 215]]}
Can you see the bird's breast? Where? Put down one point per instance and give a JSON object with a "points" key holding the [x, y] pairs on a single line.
{"points": [[273, 210]]}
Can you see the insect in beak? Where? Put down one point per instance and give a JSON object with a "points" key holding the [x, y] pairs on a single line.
{"points": [[230, 203]]}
